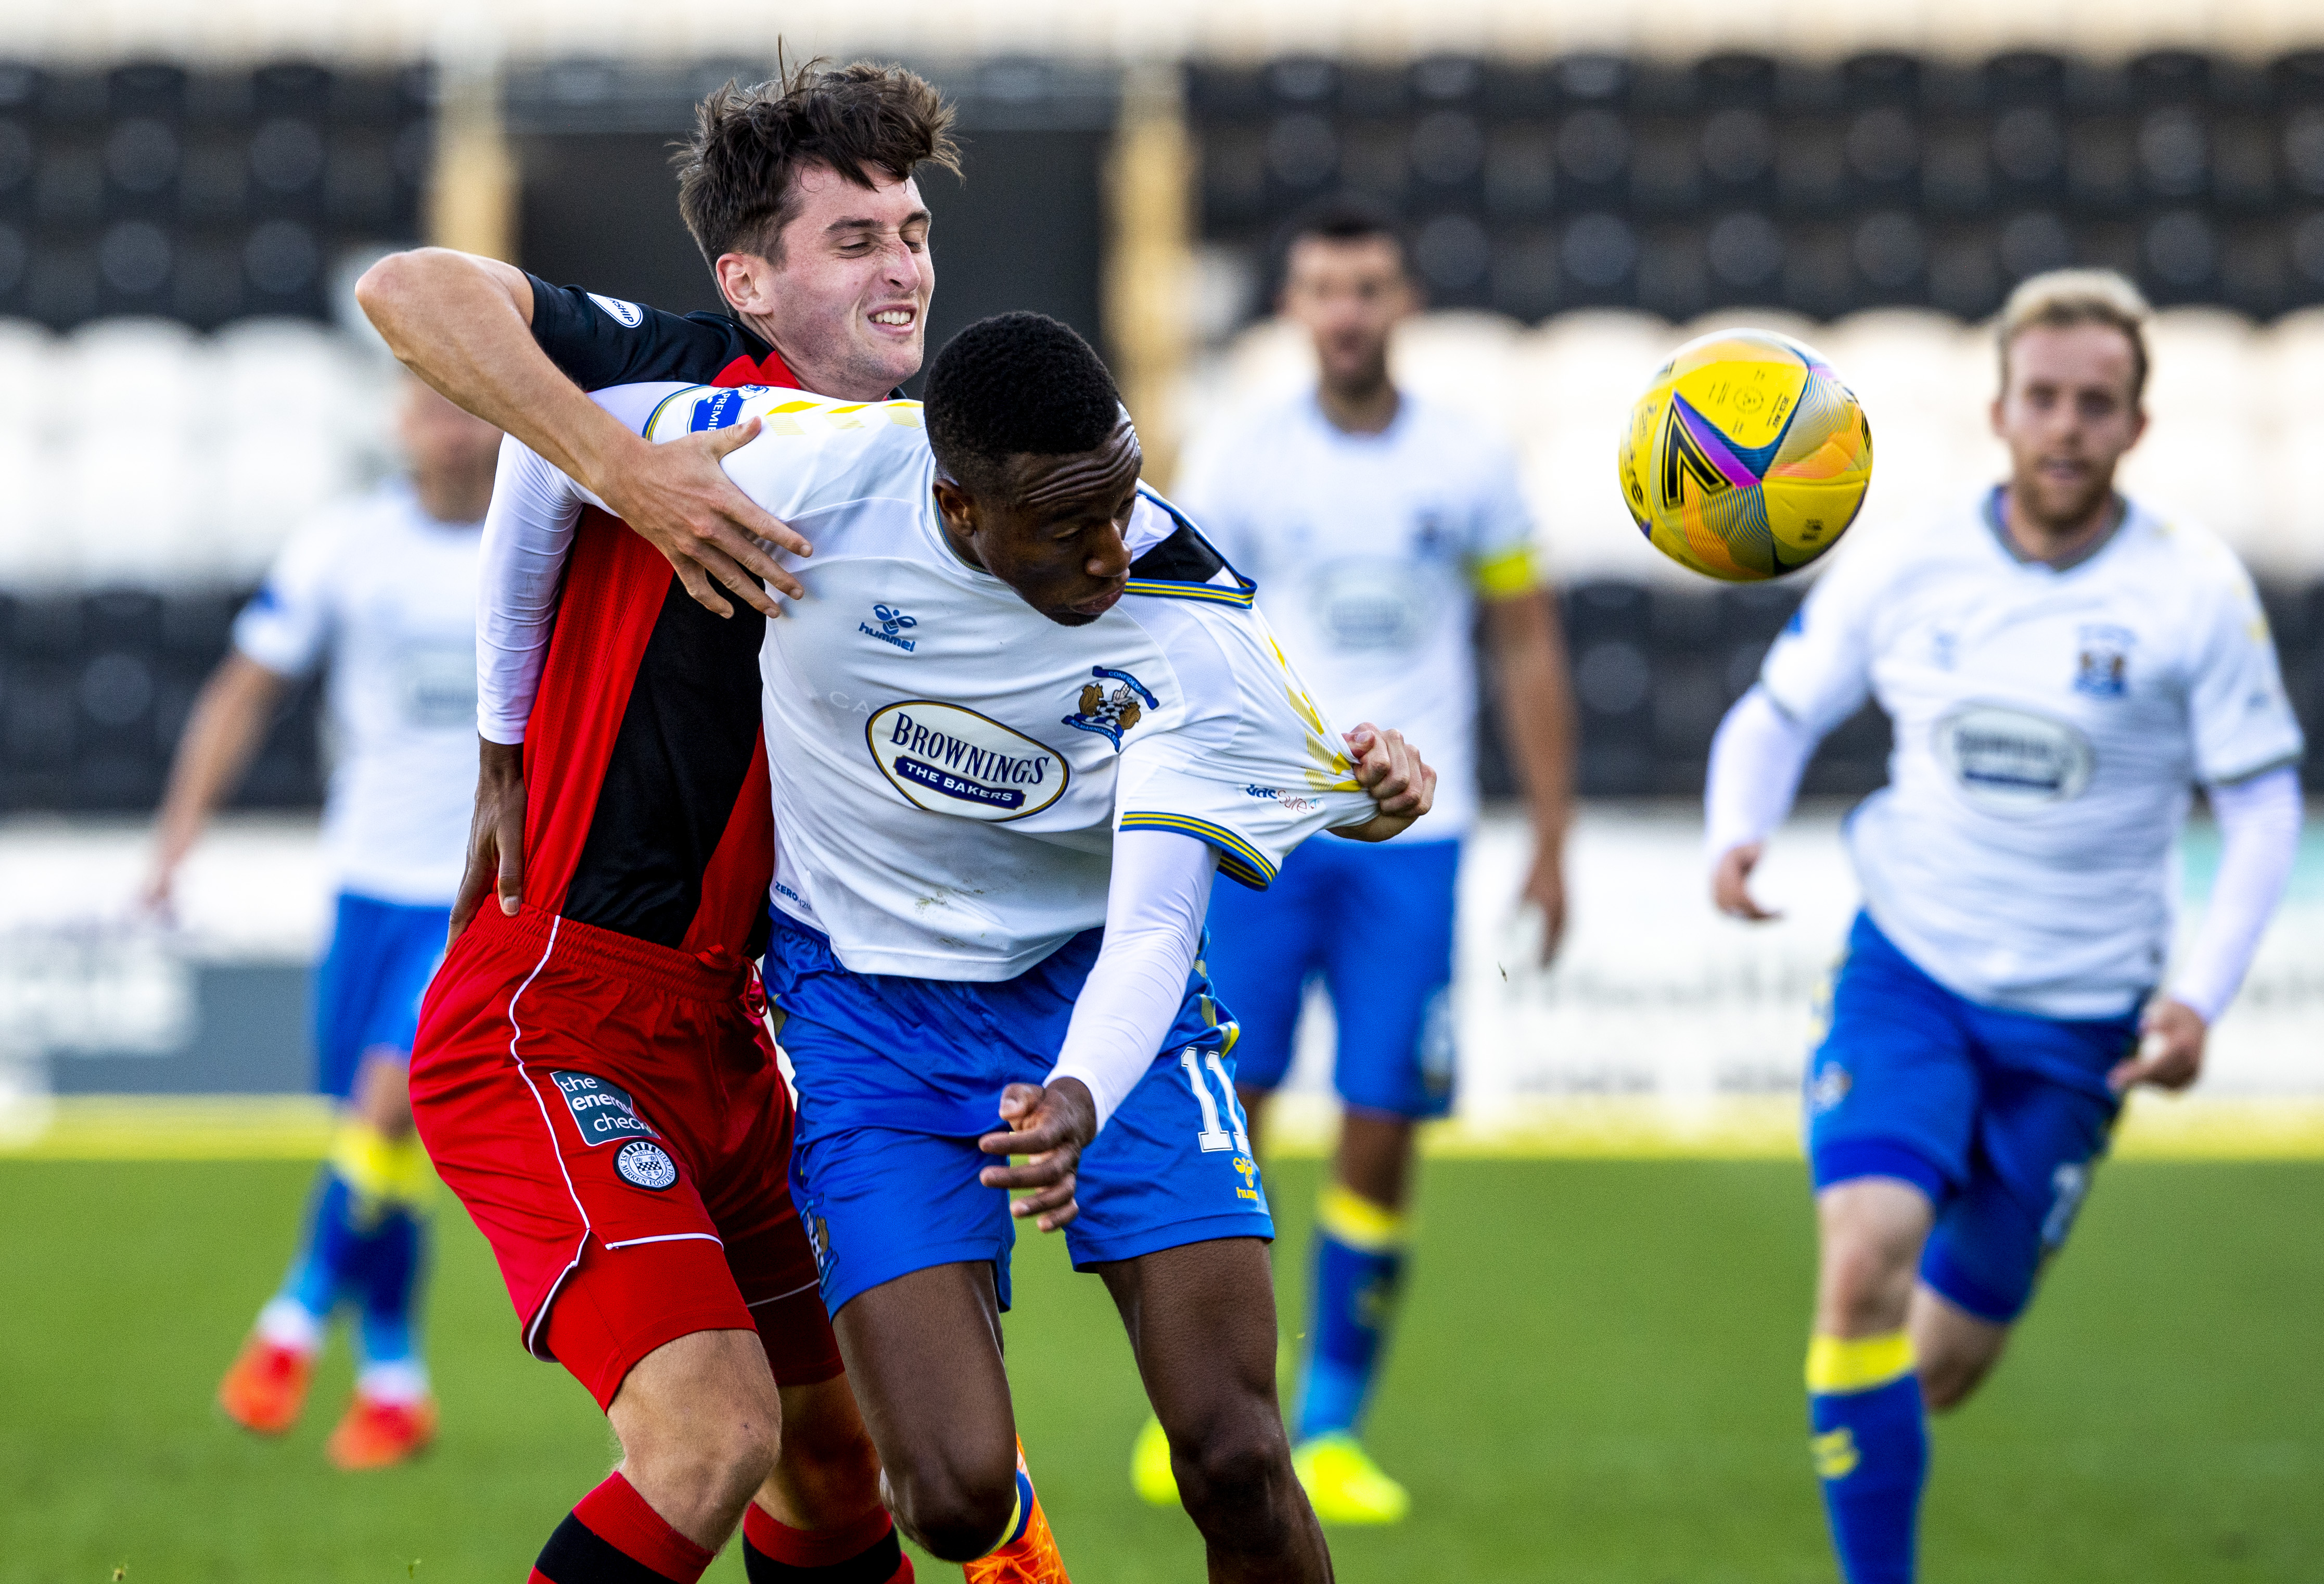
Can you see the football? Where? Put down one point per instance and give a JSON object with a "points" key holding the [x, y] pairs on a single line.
{"points": [[1746, 459]]}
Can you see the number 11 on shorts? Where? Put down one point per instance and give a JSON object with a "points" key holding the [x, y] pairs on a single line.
{"points": [[1214, 1136]]}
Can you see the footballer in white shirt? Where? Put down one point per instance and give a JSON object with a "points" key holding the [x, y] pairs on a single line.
{"points": [[2062, 667], [381, 592], [1382, 526], [1019, 717]]}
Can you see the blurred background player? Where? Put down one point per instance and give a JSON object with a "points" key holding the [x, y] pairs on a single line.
{"points": [[383, 591], [2060, 665], [1379, 527]]}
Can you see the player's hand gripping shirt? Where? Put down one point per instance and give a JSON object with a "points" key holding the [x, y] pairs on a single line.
{"points": [[2049, 725], [949, 766], [1374, 549], [388, 596]]}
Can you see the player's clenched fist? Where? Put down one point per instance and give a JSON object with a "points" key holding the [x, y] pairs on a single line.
{"points": [[1049, 1127], [1399, 780]]}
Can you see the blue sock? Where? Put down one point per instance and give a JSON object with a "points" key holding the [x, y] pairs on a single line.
{"points": [[1359, 1277], [1870, 1442], [386, 1275], [318, 1272]]}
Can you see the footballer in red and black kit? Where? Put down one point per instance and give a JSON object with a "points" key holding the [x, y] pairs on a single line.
{"points": [[648, 845]]}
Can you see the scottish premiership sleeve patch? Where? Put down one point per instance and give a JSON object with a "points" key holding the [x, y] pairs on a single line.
{"points": [[603, 1112], [628, 315]]}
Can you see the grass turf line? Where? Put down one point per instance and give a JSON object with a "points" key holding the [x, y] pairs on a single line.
{"points": [[1598, 1380]]}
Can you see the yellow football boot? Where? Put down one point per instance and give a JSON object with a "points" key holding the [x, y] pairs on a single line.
{"points": [[1343, 1483], [1149, 1467]]}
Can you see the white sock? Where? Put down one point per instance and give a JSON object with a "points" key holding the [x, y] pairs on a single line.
{"points": [[400, 1383], [288, 1323]]}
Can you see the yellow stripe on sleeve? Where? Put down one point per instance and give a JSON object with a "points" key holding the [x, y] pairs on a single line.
{"points": [[1506, 573], [1840, 1365]]}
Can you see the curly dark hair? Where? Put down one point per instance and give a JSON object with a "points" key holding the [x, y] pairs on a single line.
{"points": [[738, 175], [1016, 383]]}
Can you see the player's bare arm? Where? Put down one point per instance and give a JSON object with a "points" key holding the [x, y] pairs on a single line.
{"points": [[464, 324], [1049, 1127], [229, 721], [495, 834], [2170, 1054], [1536, 702], [1399, 780], [1730, 885]]}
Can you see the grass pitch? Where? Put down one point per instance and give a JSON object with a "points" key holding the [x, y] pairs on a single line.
{"points": [[1597, 1379]]}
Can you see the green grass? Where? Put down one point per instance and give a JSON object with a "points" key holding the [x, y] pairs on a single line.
{"points": [[1597, 1380]]}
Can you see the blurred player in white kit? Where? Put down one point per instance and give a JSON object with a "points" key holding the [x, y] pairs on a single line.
{"points": [[1382, 526], [2061, 666], [382, 590]]}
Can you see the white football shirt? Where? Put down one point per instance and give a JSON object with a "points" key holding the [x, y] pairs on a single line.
{"points": [[386, 597], [2050, 725], [1374, 549], [949, 766]]}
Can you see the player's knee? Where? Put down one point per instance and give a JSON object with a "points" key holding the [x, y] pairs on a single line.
{"points": [[830, 1469], [1867, 1285], [1951, 1376], [1234, 1473], [957, 1508]]}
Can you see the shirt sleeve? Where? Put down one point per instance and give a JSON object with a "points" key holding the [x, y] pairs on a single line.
{"points": [[288, 622], [2259, 833], [1757, 759], [1254, 774], [528, 535], [1819, 671], [2237, 715], [599, 342], [1503, 560], [1155, 904]]}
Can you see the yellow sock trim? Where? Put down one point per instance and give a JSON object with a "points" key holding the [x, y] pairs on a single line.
{"points": [[1357, 1222], [1009, 1535], [381, 1169], [1840, 1365]]}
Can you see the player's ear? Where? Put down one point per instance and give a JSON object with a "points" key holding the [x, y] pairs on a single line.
{"points": [[741, 281], [955, 505]]}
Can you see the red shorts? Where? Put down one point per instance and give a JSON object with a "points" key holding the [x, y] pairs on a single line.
{"points": [[611, 1113]]}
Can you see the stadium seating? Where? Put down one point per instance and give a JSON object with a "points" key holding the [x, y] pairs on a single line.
{"points": [[147, 477], [206, 196], [1882, 179]]}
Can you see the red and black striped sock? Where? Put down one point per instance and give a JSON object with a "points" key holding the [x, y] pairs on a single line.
{"points": [[614, 1537], [863, 1552]]}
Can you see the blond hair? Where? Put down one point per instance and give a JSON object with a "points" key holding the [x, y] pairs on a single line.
{"points": [[2062, 299]]}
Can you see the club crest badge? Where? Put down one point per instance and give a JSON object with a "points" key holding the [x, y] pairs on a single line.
{"points": [[647, 1166], [2102, 662], [1111, 714]]}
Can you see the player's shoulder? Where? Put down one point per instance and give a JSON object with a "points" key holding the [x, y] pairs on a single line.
{"points": [[600, 340], [353, 525], [1457, 434], [2172, 544]]}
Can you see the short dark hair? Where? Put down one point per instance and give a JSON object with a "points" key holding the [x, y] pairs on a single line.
{"points": [[1016, 383], [738, 175], [1347, 219]]}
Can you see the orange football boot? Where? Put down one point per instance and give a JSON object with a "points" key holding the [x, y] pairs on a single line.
{"points": [[376, 1435], [1032, 1557], [267, 1386]]}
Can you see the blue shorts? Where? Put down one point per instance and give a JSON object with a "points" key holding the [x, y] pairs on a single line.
{"points": [[1998, 1116], [899, 1078], [1375, 922], [368, 986]]}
